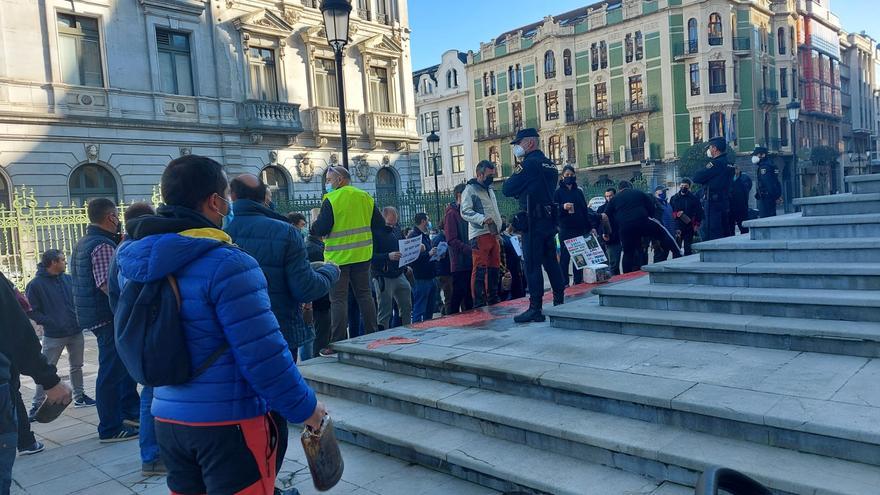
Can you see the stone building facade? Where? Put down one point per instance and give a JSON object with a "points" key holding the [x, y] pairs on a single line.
{"points": [[622, 88], [443, 106], [858, 73], [96, 96]]}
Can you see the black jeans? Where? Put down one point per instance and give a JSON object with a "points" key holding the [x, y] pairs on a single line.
{"points": [[26, 437], [8, 435], [462, 298], [687, 240], [539, 250], [766, 207], [115, 390], [565, 258], [631, 234]]}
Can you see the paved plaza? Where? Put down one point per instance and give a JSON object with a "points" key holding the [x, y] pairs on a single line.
{"points": [[75, 463]]}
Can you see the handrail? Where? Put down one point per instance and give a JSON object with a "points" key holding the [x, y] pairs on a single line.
{"points": [[719, 478]]}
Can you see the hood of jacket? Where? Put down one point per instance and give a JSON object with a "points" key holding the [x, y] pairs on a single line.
{"points": [[250, 208], [42, 271], [475, 182], [163, 243]]}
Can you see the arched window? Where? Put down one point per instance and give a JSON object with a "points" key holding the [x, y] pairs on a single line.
{"points": [[603, 147], [630, 48], [554, 147], [637, 141], [716, 30], [386, 184], [511, 78], [566, 62], [693, 36], [640, 46], [5, 196], [717, 123], [494, 156], [451, 78], [92, 181], [549, 65], [603, 54], [277, 181], [780, 40]]}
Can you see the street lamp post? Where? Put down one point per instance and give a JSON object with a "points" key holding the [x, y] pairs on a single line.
{"points": [[336, 18], [794, 110], [434, 148]]}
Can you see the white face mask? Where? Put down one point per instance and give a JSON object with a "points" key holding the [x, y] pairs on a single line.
{"points": [[756, 160], [709, 153], [518, 151]]}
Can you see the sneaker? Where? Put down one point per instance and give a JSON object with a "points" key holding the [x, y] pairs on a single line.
{"points": [[530, 315], [36, 448], [32, 415], [124, 434], [133, 423], [155, 468], [84, 401], [328, 352]]}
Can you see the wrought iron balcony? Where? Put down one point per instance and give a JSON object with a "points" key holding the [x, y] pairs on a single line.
{"points": [[717, 88], [272, 116], [742, 44], [504, 130], [553, 115], [768, 97], [716, 40], [686, 49]]}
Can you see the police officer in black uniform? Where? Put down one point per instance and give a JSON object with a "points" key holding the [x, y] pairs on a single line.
{"points": [[769, 188], [534, 186], [716, 179]]}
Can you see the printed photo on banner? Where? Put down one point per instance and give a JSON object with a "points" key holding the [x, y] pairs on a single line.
{"points": [[585, 252]]}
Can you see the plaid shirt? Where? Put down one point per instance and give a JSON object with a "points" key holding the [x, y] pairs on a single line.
{"points": [[102, 255]]}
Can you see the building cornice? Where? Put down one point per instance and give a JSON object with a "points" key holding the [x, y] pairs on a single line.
{"points": [[164, 7]]}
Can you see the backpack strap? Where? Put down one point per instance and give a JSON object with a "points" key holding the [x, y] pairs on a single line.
{"points": [[175, 289], [210, 361]]}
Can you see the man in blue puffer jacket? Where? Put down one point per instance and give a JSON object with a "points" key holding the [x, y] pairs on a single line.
{"points": [[214, 433], [279, 249]]}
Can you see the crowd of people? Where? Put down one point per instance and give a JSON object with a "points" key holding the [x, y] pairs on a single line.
{"points": [[257, 291]]}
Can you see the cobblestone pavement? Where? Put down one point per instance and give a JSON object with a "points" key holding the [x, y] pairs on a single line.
{"points": [[75, 463]]}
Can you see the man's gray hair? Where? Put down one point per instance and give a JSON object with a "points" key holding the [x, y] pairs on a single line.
{"points": [[340, 171], [390, 209]]}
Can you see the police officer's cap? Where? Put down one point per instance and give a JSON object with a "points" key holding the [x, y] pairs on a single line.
{"points": [[525, 133], [719, 142], [760, 150]]}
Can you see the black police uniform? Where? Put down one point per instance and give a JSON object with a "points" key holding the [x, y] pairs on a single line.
{"points": [[769, 188], [739, 203], [716, 179], [632, 211], [686, 205], [533, 186]]}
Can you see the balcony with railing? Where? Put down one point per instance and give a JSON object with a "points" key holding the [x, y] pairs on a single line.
{"points": [[615, 111], [364, 14], [503, 130], [768, 97], [618, 156], [325, 121], [272, 116], [686, 49], [717, 89], [383, 125], [742, 44], [716, 40], [383, 19], [311, 3]]}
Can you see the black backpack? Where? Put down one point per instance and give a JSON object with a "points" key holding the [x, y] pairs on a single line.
{"points": [[149, 337]]}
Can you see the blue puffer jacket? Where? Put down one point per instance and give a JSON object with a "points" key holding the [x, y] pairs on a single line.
{"points": [[224, 299], [279, 249]]}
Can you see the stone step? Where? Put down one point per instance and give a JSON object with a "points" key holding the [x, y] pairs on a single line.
{"points": [[796, 226], [839, 204], [740, 249], [849, 305], [831, 276], [495, 463], [770, 397], [795, 334], [864, 184], [649, 450]]}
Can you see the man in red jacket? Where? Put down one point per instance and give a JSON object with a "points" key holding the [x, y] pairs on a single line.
{"points": [[456, 231]]}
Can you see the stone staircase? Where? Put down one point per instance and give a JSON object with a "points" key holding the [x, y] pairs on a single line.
{"points": [[759, 354]]}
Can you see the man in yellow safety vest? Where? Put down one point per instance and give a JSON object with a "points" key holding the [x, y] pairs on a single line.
{"points": [[347, 218]]}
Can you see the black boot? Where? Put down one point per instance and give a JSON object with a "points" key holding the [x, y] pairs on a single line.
{"points": [[480, 287], [494, 280], [533, 314], [558, 298]]}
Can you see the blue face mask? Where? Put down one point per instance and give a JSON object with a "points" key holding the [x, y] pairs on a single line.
{"points": [[328, 187], [230, 214], [430, 226]]}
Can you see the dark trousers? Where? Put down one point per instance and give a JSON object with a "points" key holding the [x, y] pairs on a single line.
{"points": [[115, 390], [715, 224], [26, 437], [462, 299], [539, 250], [356, 275], [612, 252], [687, 240], [238, 457], [631, 234], [736, 219], [322, 328], [766, 207], [565, 258], [8, 437]]}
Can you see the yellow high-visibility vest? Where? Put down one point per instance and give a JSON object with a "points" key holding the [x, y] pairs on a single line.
{"points": [[351, 240]]}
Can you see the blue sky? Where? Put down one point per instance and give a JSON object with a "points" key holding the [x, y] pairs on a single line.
{"points": [[463, 24]]}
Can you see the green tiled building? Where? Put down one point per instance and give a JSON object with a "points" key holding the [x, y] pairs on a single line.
{"points": [[623, 87]]}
